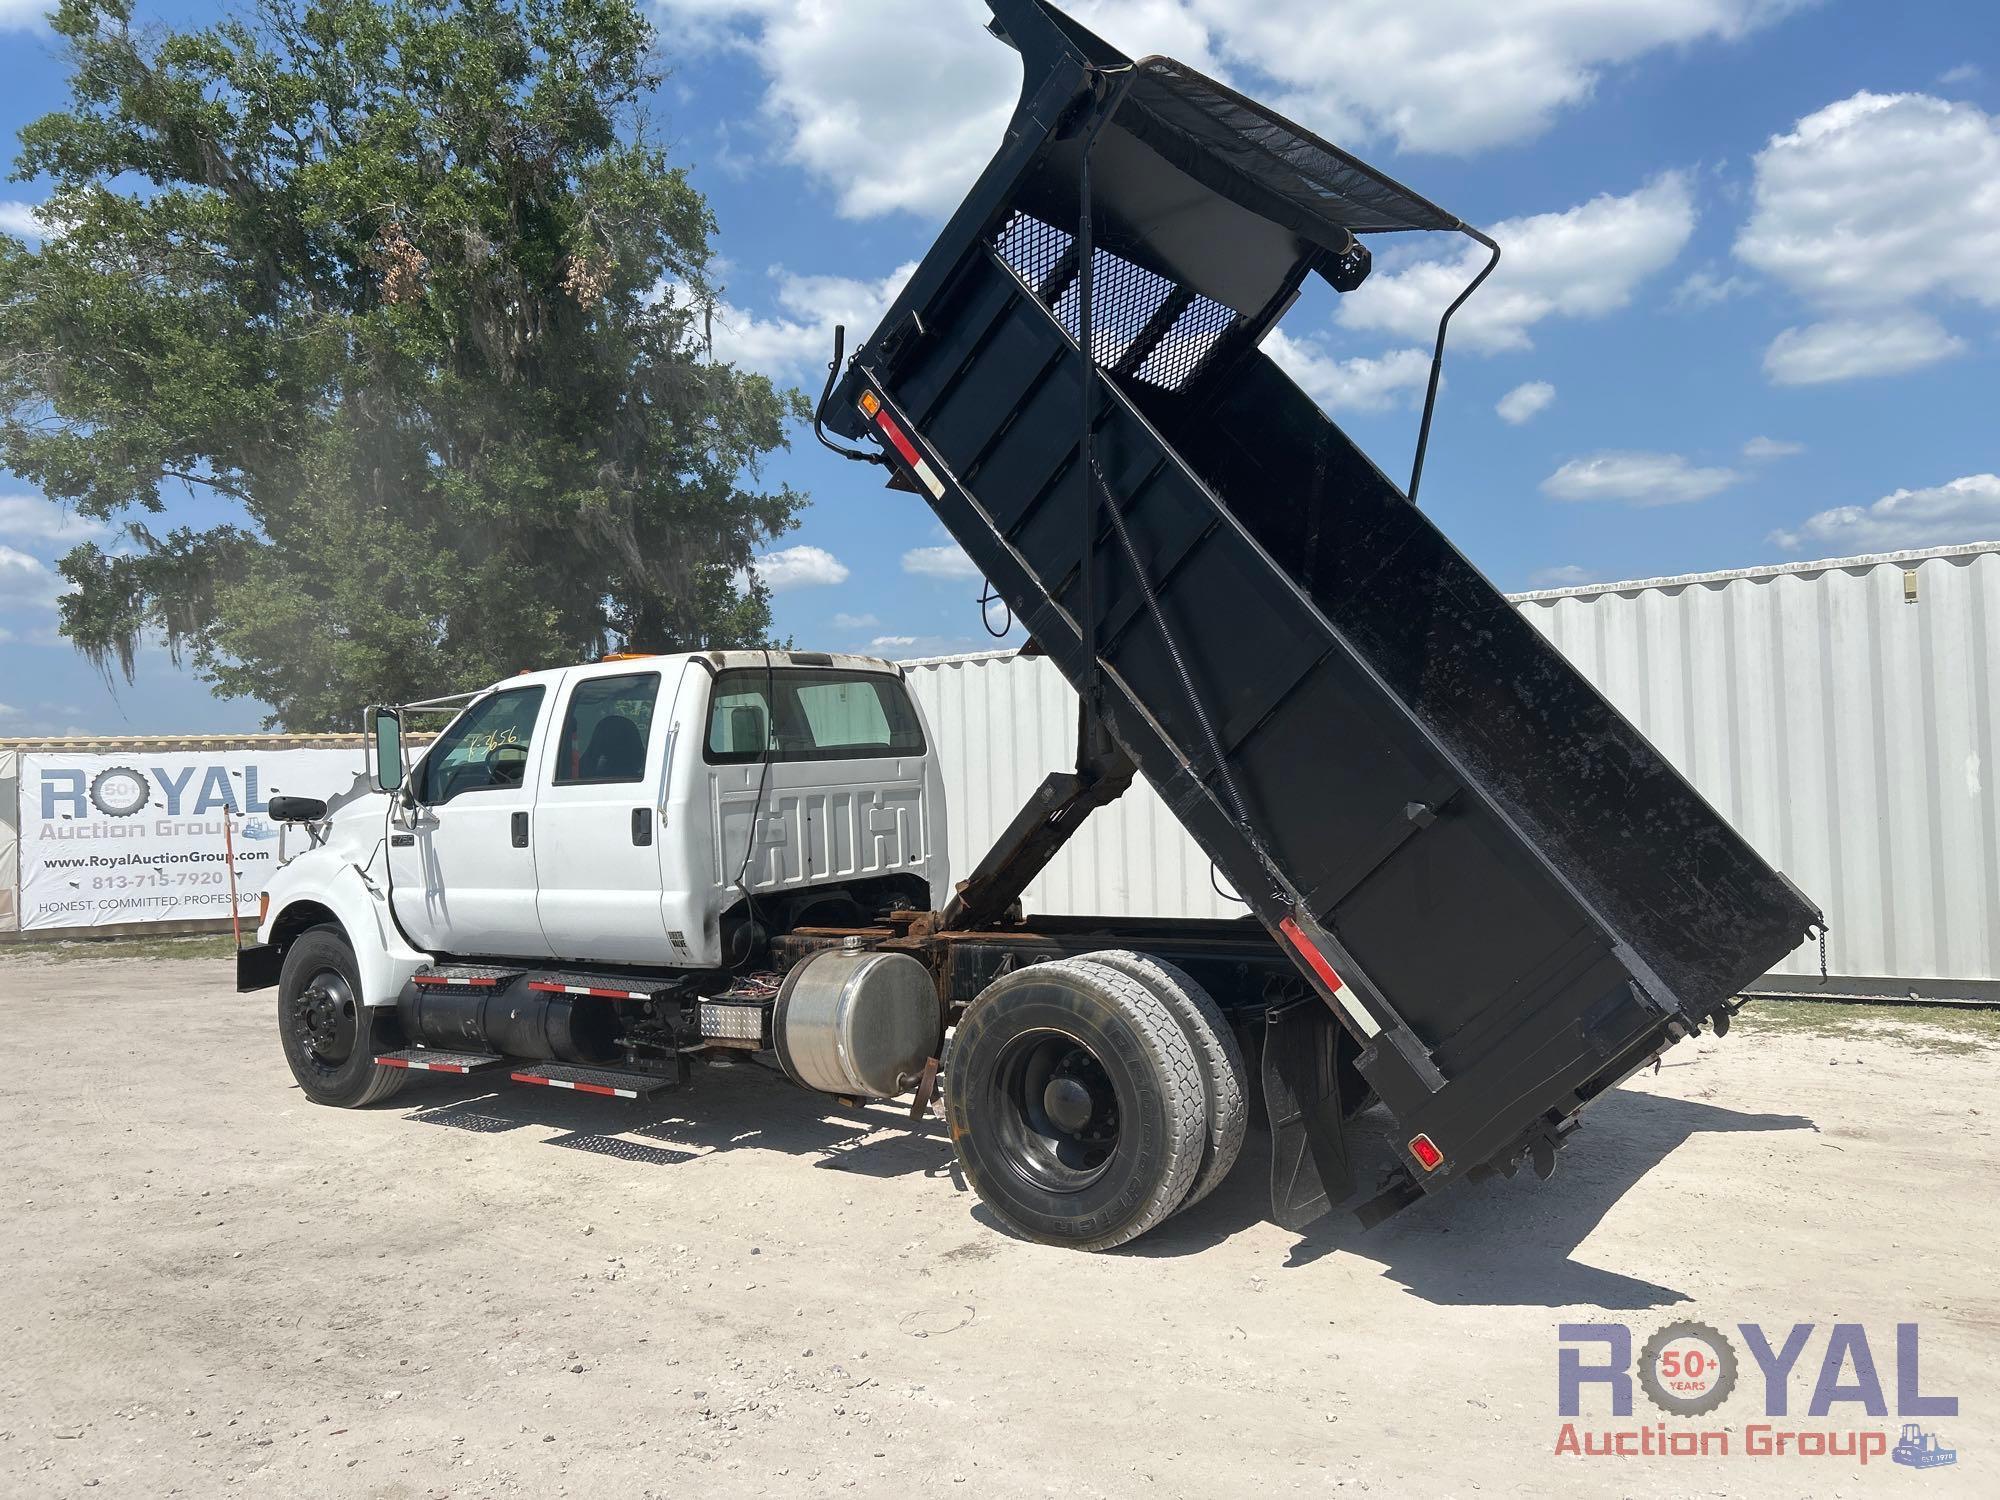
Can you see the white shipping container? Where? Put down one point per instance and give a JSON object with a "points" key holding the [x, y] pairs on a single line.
{"points": [[1841, 714]]}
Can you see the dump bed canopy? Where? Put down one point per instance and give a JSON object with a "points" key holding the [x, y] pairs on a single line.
{"points": [[1241, 150]]}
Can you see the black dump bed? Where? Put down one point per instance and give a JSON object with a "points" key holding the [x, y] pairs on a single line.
{"points": [[1508, 896]]}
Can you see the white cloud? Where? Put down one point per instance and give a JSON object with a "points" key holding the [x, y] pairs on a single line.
{"points": [[25, 580], [1637, 479], [1879, 199], [1965, 510], [1448, 75], [940, 562], [1460, 75], [1867, 208], [30, 516], [18, 218], [1363, 383], [799, 568], [889, 642], [1963, 73], [855, 622], [1524, 401], [1564, 576], [1581, 263], [1758, 449], [1845, 348], [914, 139], [797, 342], [1708, 288], [23, 15]]}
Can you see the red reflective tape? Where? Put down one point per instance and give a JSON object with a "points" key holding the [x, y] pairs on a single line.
{"points": [[613, 994], [528, 1078], [1310, 954], [392, 1062], [896, 439], [477, 979], [545, 986], [447, 1068], [594, 1088]]}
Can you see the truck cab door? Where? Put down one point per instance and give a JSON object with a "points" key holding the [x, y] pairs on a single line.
{"points": [[599, 814], [462, 856]]}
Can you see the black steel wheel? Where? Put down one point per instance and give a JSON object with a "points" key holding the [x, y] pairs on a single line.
{"points": [[331, 1039], [1075, 1104]]}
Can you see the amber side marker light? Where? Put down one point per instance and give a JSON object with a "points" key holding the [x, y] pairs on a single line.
{"points": [[870, 403]]}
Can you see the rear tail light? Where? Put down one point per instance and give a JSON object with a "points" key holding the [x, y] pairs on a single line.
{"points": [[1428, 1156]]}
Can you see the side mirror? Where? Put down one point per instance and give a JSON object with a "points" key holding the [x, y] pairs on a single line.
{"points": [[387, 768]]}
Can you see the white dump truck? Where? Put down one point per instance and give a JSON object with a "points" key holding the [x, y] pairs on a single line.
{"points": [[1473, 892]]}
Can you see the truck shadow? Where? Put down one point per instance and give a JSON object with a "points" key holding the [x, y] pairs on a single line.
{"points": [[752, 1109], [1498, 1243]]}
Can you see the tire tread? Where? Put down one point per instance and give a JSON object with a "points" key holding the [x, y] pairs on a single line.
{"points": [[1225, 1080]]}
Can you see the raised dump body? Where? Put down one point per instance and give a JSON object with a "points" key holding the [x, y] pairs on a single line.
{"points": [[1507, 896]]}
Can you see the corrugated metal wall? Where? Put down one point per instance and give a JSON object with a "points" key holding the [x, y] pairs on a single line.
{"points": [[1849, 733], [1001, 724]]}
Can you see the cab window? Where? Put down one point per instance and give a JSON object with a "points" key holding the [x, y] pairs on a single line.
{"points": [[792, 713], [606, 730], [485, 748]]}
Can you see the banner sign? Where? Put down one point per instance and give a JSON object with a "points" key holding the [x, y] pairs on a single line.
{"points": [[139, 837]]}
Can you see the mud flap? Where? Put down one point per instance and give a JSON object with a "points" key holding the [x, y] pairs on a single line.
{"points": [[1309, 1166]]}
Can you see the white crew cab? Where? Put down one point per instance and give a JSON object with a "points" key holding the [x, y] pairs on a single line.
{"points": [[664, 812]]}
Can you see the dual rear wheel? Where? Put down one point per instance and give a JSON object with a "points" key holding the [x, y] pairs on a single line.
{"points": [[1090, 1098]]}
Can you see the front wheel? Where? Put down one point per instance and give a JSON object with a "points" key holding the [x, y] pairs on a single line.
{"points": [[331, 1039], [1075, 1104]]}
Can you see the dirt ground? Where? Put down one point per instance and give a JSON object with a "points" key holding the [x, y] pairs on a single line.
{"points": [[214, 1287]]}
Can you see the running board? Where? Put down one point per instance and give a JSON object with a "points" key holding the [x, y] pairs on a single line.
{"points": [[431, 1060], [602, 986], [611, 1082]]}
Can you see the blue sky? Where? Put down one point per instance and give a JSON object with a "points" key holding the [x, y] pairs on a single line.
{"points": [[1750, 310]]}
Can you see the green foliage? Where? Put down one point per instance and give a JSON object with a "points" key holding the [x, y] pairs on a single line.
{"points": [[398, 298]]}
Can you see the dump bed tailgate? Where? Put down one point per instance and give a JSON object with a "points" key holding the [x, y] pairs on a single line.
{"points": [[1508, 896]]}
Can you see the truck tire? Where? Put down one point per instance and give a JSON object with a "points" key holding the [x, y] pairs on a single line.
{"points": [[331, 1039], [1075, 1104], [1225, 1083]]}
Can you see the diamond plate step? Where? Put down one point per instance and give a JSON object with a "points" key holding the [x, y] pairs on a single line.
{"points": [[465, 977], [608, 1081], [431, 1060]]}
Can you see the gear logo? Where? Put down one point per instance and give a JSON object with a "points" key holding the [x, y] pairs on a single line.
{"points": [[1687, 1368], [120, 791]]}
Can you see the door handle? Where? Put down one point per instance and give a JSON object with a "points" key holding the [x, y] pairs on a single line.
{"points": [[642, 826], [520, 830]]}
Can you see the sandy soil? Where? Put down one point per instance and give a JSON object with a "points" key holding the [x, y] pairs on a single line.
{"points": [[215, 1287]]}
